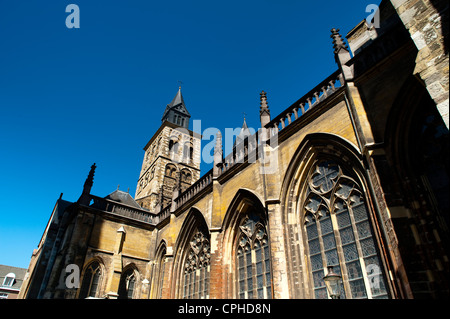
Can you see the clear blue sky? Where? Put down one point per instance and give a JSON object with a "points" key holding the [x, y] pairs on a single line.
{"points": [[72, 97]]}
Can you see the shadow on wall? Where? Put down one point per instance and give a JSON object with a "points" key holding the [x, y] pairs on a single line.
{"points": [[442, 8]]}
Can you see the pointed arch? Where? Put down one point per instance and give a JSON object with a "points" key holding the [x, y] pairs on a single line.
{"points": [[192, 258], [159, 270], [325, 177], [328, 144], [246, 242], [241, 202], [333, 146], [129, 282]]}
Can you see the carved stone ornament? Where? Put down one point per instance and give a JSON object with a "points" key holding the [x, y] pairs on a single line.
{"points": [[199, 253], [329, 189], [252, 228]]}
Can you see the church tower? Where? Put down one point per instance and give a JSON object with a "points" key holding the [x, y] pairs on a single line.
{"points": [[171, 159]]}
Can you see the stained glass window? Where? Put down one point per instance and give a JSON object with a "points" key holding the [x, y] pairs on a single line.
{"points": [[253, 260], [91, 280], [339, 234], [196, 268]]}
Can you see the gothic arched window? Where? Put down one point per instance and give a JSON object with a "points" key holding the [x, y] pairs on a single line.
{"points": [[127, 284], [339, 234], [91, 281], [196, 268], [253, 259], [160, 257]]}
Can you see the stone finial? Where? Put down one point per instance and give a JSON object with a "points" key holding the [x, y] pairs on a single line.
{"points": [[338, 41], [342, 55], [89, 180], [218, 146], [264, 106], [264, 112]]}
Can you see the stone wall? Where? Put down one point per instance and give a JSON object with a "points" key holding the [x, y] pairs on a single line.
{"points": [[427, 22]]}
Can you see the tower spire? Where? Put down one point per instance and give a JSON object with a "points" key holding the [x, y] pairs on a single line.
{"points": [[338, 42], [173, 150]]}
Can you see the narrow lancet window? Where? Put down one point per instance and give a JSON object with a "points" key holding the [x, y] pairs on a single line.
{"points": [[253, 259]]}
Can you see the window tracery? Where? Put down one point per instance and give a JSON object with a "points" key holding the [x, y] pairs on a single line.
{"points": [[91, 280], [196, 268], [339, 234]]}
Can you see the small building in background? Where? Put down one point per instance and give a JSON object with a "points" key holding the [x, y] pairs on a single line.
{"points": [[11, 279]]}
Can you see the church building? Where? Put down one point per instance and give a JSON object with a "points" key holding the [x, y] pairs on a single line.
{"points": [[352, 179]]}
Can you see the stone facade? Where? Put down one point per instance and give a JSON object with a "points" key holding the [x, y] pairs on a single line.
{"points": [[343, 177], [171, 156], [427, 22]]}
